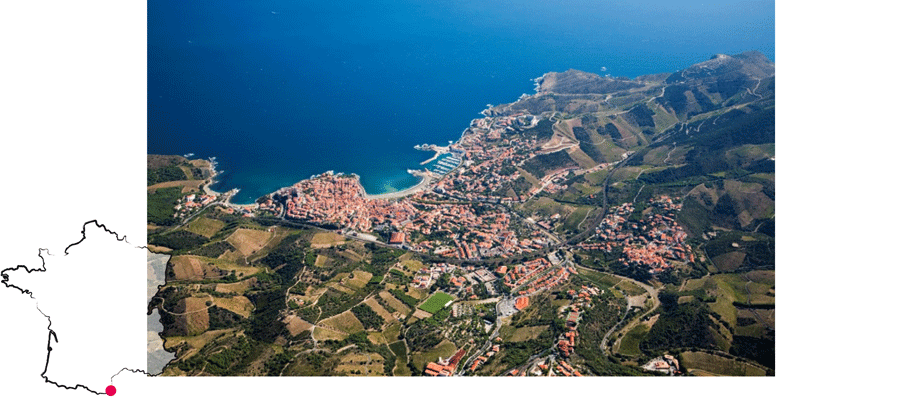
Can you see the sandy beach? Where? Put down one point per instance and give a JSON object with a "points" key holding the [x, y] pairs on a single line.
{"points": [[421, 186]]}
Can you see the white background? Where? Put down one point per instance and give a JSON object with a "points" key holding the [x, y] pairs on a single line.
{"points": [[72, 122]]}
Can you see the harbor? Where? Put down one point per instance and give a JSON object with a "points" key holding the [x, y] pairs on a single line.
{"points": [[445, 165]]}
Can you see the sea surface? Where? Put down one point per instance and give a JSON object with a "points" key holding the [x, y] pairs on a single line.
{"points": [[281, 90]]}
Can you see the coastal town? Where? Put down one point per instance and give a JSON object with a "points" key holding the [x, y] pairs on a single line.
{"points": [[464, 209], [546, 244], [459, 215]]}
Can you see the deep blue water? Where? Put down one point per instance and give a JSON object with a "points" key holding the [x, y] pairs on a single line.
{"points": [[281, 90]]}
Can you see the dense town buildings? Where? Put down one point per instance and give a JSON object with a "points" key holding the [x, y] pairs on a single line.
{"points": [[656, 241]]}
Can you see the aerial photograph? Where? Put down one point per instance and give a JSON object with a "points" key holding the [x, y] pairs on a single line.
{"points": [[461, 188]]}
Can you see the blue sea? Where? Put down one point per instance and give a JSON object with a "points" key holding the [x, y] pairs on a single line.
{"points": [[281, 90]]}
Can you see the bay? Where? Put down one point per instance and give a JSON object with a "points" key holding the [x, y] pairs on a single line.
{"points": [[281, 90]]}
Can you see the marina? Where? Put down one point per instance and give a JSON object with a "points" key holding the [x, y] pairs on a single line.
{"points": [[445, 164]]}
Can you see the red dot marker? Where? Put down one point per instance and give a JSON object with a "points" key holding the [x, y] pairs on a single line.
{"points": [[110, 391]]}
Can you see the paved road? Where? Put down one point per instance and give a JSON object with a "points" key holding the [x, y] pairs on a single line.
{"points": [[651, 291], [499, 316]]}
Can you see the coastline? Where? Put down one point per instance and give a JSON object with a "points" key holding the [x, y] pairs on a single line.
{"points": [[420, 187], [427, 178], [212, 178]]}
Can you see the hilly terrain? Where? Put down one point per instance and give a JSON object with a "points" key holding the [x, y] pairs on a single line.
{"points": [[596, 227]]}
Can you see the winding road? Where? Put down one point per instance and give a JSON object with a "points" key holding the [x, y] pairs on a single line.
{"points": [[651, 291]]}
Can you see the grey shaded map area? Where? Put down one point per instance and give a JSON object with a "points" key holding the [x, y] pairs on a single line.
{"points": [[156, 356]]}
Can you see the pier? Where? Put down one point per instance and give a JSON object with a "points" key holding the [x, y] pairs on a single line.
{"points": [[439, 150]]}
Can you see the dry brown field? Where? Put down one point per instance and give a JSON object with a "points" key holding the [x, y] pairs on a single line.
{"points": [[158, 249], [320, 261], [237, 287], [249, 241], [238, 304], [321, 334], [296, 325], [379, 309], [194, 268], [323, 240], [358, 281], [194, 318], [345, 322], [718, 365], [418, 294], [527, 333], [392, 301], [187, 185]]}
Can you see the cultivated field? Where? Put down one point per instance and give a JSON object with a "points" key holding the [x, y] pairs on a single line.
{"points": [[341, 288], [436, 302], [187, 185], [581, 158], [237, 287], [596, 177], [238, 304], [194, 268], [359, 279], [766, 277], [240, 270], [195, 342], [321, 334], [630, 288], [323, 240], [249, 241], [444, 349], [631, 341], [736, 285], [320, 261], [530, 178], [379, 309], [546, 207], [417, 294], [345, 322], [719, 365], [392, 302], [627, 173], [694, 284], [361, 364], [351, 255], [763, 319], [399, 349], [412, 265], [419, 314], [391, 332], [376, 338], [195, 318], [577, 217], [526, 333], [608, 280], [232, 256], [205, 226], [388, 335], [296, 325], [729, 261]]}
